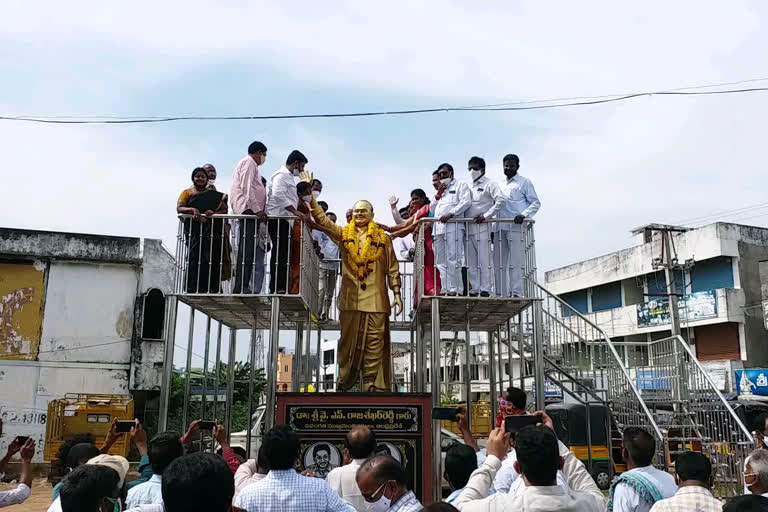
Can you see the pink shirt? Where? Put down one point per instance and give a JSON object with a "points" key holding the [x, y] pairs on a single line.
{"points": [[248, 193]]}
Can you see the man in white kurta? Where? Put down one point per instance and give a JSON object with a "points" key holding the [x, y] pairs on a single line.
{"points": [[454, 198]]}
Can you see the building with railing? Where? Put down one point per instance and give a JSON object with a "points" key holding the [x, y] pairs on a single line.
{"points": [[717, 283]]}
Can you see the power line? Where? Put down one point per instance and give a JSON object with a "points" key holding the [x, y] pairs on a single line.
{"points": [[721, 213], [520, 107]]}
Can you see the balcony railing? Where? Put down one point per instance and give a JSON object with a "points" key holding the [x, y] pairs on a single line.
{"points": [[227, 255]]}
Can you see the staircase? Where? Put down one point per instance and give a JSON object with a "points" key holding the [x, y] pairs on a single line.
{"points": [[684, 412]]}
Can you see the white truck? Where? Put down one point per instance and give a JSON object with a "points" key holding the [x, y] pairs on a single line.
{"points": [[240, 439]]}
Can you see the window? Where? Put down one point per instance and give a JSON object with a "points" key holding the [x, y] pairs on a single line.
{"points": [[153, 315], [577, 300], [328, 382], [328, 357], [606, 296], [286, 369], [712, 274]]}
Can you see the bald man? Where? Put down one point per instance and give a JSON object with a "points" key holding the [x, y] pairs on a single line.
{"points": [[359, 444], [383, 484]]}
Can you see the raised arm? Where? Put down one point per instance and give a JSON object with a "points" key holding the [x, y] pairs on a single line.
{"points": [[331, 228]]}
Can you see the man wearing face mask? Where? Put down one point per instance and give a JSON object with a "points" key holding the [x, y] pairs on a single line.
{"points": [[487, 201], [317, 188], [384, 485], [211, 170], [756, 473], [249, 197], [520, 202], [455, 198], [282, 200]]}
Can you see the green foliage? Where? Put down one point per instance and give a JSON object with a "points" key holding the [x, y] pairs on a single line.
{"points": [[449, 400], [241, 370]]}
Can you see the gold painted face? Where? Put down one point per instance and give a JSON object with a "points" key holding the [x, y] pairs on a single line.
{"points": [[362, 213]]}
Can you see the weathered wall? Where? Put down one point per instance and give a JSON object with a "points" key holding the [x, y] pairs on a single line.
{"points": [[88, 312], [22, 290], [147, 358], [70, 246], [753, 250], [26, 387]]}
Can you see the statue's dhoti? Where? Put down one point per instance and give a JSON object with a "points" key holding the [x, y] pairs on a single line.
{"points": [[365, 353]]}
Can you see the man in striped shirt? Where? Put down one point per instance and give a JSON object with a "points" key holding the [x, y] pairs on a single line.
{"points": [[694, 478]]}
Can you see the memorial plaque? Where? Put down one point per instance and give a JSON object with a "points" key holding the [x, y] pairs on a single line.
{"points": [[402, 423]]}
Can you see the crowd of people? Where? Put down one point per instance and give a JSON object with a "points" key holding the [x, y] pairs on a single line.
{"points": [[472, 244], [527, 470]]}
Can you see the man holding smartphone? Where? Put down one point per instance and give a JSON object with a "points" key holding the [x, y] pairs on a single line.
{"points": [[539, 456], [26, 447]]}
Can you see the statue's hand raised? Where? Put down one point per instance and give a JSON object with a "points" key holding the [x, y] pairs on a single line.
{"points": [[398, 305], [306, 175]]}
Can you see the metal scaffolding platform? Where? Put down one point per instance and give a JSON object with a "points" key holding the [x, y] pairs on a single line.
{"points": [[240, 311], [485, 313]]}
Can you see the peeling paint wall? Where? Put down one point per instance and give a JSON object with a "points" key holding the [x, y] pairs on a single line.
{"points": [[22, 288], [68, 246]]}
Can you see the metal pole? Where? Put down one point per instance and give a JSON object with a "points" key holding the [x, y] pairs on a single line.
{"points": [[216, 373], [251, 372], [538, 354], [274, 342], [589, 434], [492, 377], [669, 273], [188, 368], [510, 365], [468, 370], [230, 377], [319, 357], [297, 359], [420, 356], [521, 349], [499, 357], [307, 366], [170, 343], [205, 366], [437, 472], [411, 359]]}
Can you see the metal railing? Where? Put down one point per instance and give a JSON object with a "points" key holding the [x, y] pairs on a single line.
{"points": [[698, 415], [242, 255], [576, 347], [462, 257]]}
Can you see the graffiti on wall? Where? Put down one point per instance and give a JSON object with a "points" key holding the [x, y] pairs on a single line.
{"points": [[21, 299], [23, 422]]}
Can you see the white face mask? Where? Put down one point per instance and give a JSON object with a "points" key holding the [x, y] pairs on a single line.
{"points": [[316, 193], [445, 181], [211, 182], [382, 504], [306, 199], [296, 172], [476, 174]]}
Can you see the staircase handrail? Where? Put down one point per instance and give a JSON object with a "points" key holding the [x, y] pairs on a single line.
{"points": [[616, 358]]}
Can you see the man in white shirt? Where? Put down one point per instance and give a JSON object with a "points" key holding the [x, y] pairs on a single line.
{"points": [[520, 202], [454, 199], [383, 484], [539, 456], [487, 201], [283, 200], [283, 489], [693, 473], [248, 196], [359, 444], [329, 269], [199, 481], [163, 449], [643, 485]]}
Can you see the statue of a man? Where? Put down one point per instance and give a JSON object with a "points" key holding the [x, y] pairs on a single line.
{"points": [[369, 269]]}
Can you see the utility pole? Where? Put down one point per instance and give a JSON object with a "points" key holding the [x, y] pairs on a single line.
{"points": [[669, 262]]}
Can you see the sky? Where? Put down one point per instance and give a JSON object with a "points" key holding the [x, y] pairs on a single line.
{"points": [[599, 170]]}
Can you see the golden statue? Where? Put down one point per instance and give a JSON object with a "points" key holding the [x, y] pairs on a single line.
{"points": [[369, 264]]}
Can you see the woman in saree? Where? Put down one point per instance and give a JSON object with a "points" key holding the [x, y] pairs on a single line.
{"points": [[208, 257], [419, 209]]}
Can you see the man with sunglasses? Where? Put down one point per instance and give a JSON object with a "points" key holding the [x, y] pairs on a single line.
{"points": [[384, 485]]}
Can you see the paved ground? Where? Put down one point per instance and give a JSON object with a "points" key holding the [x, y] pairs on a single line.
{"points": [[38, 502]]}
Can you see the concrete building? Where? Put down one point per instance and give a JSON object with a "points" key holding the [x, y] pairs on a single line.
{"points": [[624, 293], [78, 314], [284, 370]]}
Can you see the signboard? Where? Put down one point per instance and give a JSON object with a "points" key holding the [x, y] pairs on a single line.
{"points": [[402, 422], [752, 383], [694, 307]]}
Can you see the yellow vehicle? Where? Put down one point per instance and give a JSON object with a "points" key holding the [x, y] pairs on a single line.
{"points": [[570, 421], [481, 420], [84, 413]]}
